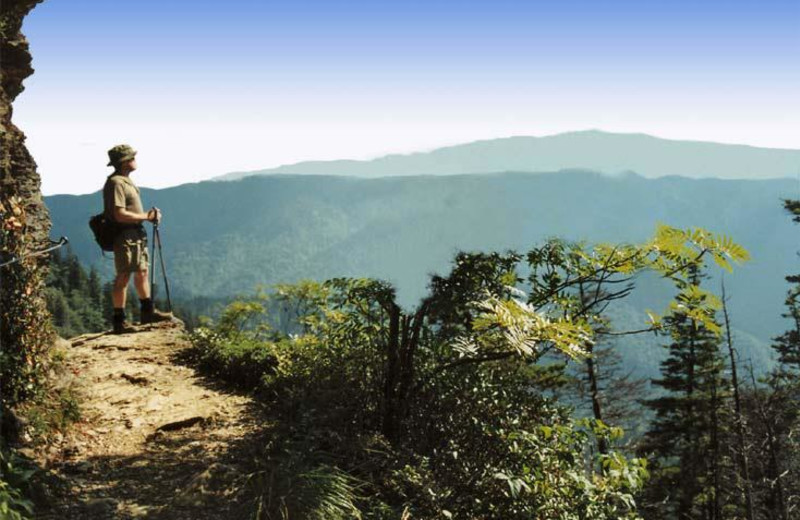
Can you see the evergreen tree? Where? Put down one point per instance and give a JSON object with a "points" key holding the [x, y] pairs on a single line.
{"points": [[775, 411], [787, 345], [74, 298], [76, 276], [686, 431], [95, 288]]}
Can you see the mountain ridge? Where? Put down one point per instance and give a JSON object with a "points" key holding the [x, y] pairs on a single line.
{"points": [[606, 152]]}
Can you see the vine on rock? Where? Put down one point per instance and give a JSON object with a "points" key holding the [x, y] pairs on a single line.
{"points": [[25, 329]]}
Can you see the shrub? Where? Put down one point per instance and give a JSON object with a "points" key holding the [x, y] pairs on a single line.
{"points": [[13, 479], [243, 362], [479, 441]]}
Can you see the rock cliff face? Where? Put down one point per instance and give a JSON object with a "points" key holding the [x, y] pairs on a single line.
{"points": [[25, 330], [18, 176]]}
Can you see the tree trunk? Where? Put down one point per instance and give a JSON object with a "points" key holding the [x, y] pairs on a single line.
{"points": [[402, 344], [716, 512], [744, 466], [689, 460], [773, 467], [391, 375], [597, 410]]}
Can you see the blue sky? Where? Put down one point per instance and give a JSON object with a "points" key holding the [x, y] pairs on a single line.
{"points": [[203, 88]]}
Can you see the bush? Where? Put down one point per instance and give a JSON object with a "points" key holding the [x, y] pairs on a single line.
{"points": [[478, 441], [13, 479], [243, 362]]}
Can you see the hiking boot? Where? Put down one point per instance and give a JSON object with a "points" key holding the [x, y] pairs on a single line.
{"points": [[122, 327], [155, 316]]}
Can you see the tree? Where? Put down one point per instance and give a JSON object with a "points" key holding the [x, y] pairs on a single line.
{"points": [[775, 411], [445, 409], [787, 345], [74, 299], [685, 433], [740, 449], [95, 288]]}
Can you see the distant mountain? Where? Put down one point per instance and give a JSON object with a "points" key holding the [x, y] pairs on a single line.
{"points": [[610, 153]]}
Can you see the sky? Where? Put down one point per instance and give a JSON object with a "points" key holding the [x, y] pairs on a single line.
{"points": [[202, 88]]}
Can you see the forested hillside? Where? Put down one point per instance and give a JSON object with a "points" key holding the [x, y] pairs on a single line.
{"points": [[222, 238]]}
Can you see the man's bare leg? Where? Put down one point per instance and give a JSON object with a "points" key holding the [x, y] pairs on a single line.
{"points": [[142, 284], [119, 290], [118, 295]]}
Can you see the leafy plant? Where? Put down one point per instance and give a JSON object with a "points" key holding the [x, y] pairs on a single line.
{"points": [[292, 488], [13, 479], [445, 410], [25, 330]]}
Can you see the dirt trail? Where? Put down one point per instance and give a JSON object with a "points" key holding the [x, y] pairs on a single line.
{"points": [[156, 439]]}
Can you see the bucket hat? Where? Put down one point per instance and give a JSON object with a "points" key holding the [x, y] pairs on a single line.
{"points": [[120, 154]]}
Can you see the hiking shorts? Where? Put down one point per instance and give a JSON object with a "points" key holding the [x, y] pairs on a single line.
{"points": [[130, 251]]}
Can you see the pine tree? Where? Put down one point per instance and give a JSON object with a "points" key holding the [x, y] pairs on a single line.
{"points": [[75, 300], [776, 415], [95, 288], [685, 436], [787, 345], [741, 478], [76, 276]]}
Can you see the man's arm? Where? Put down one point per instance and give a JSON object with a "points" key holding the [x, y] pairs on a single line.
{"points": [[124, 216]]}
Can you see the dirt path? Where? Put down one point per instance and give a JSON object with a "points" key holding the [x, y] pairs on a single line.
{"points": [[156, 440]]}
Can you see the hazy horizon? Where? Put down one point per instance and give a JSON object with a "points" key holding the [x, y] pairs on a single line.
{"points": [[238, 174]]}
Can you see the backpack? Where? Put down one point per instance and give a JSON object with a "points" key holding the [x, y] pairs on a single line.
{"points": [[104, 231]]}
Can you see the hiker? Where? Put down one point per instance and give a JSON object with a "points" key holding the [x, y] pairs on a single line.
{"points": [[123, 205]]}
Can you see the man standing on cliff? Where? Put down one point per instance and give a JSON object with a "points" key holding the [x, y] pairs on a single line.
{"points": [[123, 205]]}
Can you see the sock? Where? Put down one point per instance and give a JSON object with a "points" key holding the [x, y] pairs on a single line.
{"points": [[146, 305], [119, 315]]}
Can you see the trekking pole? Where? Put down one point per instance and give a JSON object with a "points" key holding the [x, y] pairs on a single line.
{"points": [[153, 264], [157, 237]]}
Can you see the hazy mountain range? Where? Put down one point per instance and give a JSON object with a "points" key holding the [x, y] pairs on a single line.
{"points": [[610, 153], [323, 220]]}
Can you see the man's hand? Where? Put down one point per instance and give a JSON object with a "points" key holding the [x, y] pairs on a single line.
{"points": [[154, 215]]}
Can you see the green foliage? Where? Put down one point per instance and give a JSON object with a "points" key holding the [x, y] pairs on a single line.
{"points": [[236, 349], [774, 414], [793, 207], [564, 490], [25, 331], [444, 410], [76, 300], [14, 478], [54, 410], [518, 325], [327, 391], [293, 488], [559, 314], [690, 417], [787, 345]]}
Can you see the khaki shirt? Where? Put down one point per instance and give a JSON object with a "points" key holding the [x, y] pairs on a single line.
{"points": [[120, 191]]}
